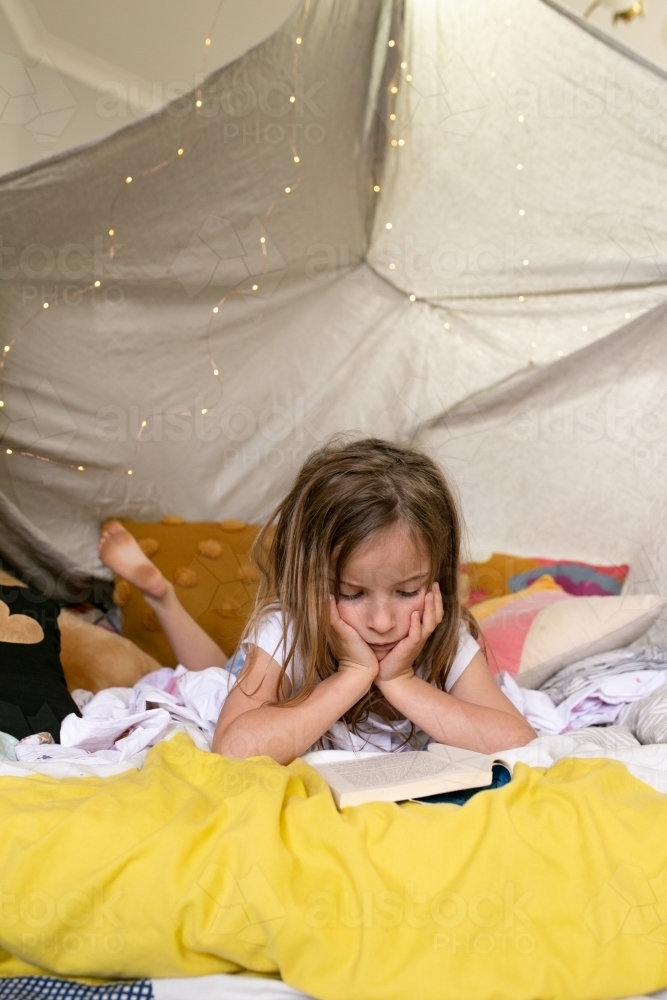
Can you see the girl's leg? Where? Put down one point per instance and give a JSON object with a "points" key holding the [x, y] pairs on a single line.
{"points": [[193, 647]]}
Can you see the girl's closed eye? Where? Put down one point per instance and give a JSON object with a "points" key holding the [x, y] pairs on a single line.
{"points": [[408, 593], [351, 597]]}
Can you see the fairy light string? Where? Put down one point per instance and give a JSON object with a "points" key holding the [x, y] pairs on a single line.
{"points": [[132, 177]]}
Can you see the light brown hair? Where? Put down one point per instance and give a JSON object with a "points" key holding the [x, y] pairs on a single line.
{"points": [[345, 493]]}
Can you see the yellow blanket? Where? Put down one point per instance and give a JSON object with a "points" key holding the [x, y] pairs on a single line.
{"points": [[554, 886]]}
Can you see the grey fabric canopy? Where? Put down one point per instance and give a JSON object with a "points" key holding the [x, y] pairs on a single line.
{"points": [[429, 221]]}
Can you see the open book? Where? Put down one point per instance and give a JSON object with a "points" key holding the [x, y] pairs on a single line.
{"points": [[393, 777]]}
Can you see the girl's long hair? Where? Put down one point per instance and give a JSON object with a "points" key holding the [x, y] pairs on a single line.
{"points": [[345, 493]]}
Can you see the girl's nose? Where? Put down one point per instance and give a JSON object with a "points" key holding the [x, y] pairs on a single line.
{"points": [[380, 618]]}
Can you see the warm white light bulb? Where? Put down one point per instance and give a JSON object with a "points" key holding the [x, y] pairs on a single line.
{"points": [[181, 151], [391, 43], [292, 99], [447, 326], [519, 166], [45, 305], [297, 159], [392, 267], [215, 309], [112, 232], [584, 328], [204, 412], [198, 104], [401, 142], [9, 451], [388, 225], [521, 212], [376, 188], [287, 190], [413, 298], [80, 468], [97, 284], [394, 142], [128, 180], [409, 78], [526, 263], [255, 287], [299, 40], [207, 42], [262, 239], [394, 90], [215, 371], [129, 472], [521, 298]]}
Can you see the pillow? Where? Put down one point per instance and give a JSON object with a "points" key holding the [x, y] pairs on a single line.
{"points": [[535, 633], [208, 563], [503, 574], [33, 693], [94, 658]]}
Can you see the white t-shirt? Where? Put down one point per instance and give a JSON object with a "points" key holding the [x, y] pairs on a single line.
{"points": [[374, 733]]}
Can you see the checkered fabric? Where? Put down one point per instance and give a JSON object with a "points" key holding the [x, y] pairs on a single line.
{"points": [[46, 988]]}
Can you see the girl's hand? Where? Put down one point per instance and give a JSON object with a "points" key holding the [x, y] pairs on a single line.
{"points": [[349, 648], [399, 664]]}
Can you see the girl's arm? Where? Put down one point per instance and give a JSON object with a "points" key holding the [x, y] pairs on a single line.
{"points": [[249, 727], [476, 715]]}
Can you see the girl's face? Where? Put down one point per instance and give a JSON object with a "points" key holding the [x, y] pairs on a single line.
{"points": [[382, 583]]}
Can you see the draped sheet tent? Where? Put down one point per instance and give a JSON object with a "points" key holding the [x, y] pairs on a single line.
{"points": [[454, 234]]}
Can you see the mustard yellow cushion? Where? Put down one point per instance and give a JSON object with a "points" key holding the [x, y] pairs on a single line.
{"points": [[94, 658], [208, 563]]}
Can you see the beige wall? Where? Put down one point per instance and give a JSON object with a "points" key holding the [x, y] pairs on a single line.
{"points": [[58, 59]]}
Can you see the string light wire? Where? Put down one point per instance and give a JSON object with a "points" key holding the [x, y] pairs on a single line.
{"points": [[130, 180]]}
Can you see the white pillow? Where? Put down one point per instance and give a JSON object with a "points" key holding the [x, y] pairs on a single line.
{"points": [[570, 630]]}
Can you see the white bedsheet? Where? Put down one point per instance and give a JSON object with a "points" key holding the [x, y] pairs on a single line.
{"points": [[252, 988]]}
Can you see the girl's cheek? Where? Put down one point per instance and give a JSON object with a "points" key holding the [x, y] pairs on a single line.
{"points": [[347, 612]]}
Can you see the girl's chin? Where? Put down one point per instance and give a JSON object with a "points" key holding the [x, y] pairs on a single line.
{"points": [[380, 654]]}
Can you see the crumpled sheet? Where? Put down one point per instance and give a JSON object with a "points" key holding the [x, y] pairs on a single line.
{"points": [[599, 703], [581, 674], [118, 723]]}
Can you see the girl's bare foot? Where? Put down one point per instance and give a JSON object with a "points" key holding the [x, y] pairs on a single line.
{"points": [[120, 552]]}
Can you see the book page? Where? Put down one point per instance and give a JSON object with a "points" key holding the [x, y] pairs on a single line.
{"points": [[382, 770], [468, 758]]}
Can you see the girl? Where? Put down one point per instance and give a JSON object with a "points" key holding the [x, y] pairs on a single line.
{"points": [[358, 639]]}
